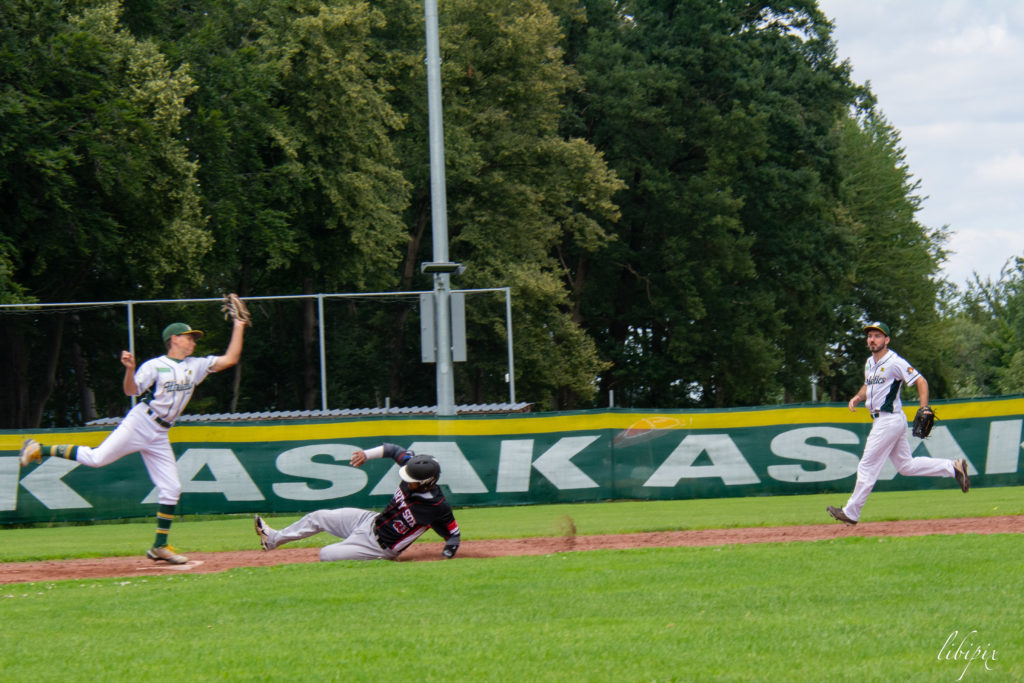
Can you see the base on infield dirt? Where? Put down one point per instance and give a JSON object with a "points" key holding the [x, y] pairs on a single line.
{"points": [[188, 566]]}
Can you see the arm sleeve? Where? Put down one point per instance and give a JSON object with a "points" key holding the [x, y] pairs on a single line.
{"points": [[396, 453], [910, 374], [451, 546], [447, 528], [374, 453], [204, 366], [145, 375]]}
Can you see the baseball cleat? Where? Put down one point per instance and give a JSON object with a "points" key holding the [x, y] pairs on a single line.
{"points": [[960, 472], [263, 531], [838, 514], [30, 452], [166, 553]]}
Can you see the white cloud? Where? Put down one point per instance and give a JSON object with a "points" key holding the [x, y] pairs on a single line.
{"points": [[1008, 169], [975, 41], [987, 248], [947, 76]]}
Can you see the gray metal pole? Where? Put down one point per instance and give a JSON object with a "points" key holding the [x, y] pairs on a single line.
{"points": [[131, 336], [323, 352], [439, 217], [511, 362]]}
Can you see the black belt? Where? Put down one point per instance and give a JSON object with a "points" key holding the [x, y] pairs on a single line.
{"points": [[877, 414], [159, 420]]}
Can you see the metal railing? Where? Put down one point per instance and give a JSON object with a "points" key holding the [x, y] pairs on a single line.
{"points": [[130, 305]]}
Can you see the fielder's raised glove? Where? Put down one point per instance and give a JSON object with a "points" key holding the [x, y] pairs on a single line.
{"points": [[923, 422], [235, 309]]}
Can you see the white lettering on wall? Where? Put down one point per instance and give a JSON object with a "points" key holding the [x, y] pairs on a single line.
{"points": [[793, 445], [728, 464]]}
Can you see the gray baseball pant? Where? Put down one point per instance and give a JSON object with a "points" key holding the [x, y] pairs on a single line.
{"points": [[353, 525]]}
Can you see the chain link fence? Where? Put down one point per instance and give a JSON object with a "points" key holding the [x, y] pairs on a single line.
{"points": [[304, 352]]}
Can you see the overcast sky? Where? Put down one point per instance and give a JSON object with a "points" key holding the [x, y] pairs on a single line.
{"points": [[949, 76]]}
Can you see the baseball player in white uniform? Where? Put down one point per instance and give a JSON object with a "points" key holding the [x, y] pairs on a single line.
{"points": [[173, 377], [885, 373]]}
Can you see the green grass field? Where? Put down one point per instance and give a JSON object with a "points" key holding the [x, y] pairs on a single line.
{"points": [[858, 609]]}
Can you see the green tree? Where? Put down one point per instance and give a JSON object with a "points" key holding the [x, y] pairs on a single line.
{"points": [[95, 181], [292, 131], [982, 338], [721, 119], [895, 258], [524, 200]]}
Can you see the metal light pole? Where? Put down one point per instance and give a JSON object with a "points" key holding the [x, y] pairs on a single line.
{"points": [[439, 218]]}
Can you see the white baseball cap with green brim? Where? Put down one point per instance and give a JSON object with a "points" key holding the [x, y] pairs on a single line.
{"points": [[881, 327], [180, 328]]}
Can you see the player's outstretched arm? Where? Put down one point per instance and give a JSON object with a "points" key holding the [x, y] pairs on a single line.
{"points": [[451, 546], [922, 391], [234, 352], [360, 456]]}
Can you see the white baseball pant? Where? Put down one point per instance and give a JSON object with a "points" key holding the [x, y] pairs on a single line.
{"points": [[139, 432], [352, 524], [888, 439]]}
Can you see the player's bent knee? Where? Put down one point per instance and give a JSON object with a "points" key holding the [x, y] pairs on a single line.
{"points": [[169, 496], [337, 552], [330, 554]]}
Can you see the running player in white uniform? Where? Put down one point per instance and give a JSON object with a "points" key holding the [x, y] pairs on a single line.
{"points": [[173, 377], [885, 372]]}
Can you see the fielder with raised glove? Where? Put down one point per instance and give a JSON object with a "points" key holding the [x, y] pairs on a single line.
{"points": [[235, 309], [885, 373], [924, 419], [168, 381]]}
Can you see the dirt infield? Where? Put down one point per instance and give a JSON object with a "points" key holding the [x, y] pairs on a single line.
{"points": [[199, 562]]}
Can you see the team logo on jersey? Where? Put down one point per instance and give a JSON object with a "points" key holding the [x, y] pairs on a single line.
{"points": [[910, 370], [403, 508], [175, 386]]}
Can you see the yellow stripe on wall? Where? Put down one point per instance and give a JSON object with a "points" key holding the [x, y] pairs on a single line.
{"points": [[395, 428], [11, 441]]}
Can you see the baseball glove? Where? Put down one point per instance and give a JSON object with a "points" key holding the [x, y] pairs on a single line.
{"points": [[923, 422], [235, 309]]}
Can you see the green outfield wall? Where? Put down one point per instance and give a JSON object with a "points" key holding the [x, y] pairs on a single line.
{"points": [[296, 466]]}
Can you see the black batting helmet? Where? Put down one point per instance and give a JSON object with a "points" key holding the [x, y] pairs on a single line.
{"points": [[421, 469]]}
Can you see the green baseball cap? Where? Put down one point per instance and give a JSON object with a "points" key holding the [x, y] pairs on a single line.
{"points": [[180, 328], [881, 327]]}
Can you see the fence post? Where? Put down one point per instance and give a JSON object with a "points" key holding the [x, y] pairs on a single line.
{"points": [[511, 362], [323, 351], [131, 335]]}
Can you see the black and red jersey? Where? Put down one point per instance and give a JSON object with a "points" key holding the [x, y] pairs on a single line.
{"points": [[410, 513]]}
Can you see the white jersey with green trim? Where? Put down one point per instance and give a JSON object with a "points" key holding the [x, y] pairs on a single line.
{"points": [[884, 379], [173, 382]]}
